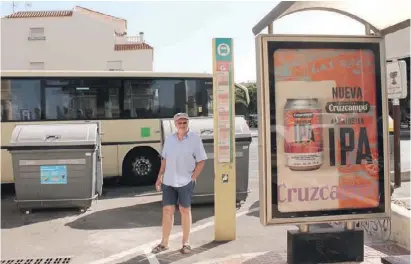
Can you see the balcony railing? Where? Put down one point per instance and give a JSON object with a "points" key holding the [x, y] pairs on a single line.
{"points": [[128, 40]]}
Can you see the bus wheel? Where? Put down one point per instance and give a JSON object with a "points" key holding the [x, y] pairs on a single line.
{"points": [[141, 166]]}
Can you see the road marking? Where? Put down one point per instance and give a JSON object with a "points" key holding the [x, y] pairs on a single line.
{"points": [[147, 247], [152, 259]]}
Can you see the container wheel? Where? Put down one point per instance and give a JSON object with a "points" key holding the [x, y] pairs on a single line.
{"points": [[141, 166]]}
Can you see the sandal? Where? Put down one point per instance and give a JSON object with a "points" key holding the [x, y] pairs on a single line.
{"points": [[185, 249], [159, 248]]}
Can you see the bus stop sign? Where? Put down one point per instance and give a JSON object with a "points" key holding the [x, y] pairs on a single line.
{"points": [[397, 80]]}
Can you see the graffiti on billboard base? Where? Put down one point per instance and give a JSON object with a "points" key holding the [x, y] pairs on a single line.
{"points": [[377, 229]]}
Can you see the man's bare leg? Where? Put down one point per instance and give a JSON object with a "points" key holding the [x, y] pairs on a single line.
{"points": [[185, 223], [167, 223]]}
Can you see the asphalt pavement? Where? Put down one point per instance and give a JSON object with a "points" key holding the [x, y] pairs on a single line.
{"points": [[125, 223]]}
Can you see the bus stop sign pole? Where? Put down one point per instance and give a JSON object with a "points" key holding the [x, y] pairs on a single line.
{"points": [[397, 89], [224, 143]]}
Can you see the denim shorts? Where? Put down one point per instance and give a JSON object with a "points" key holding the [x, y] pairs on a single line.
{"points": [[178, 195]]}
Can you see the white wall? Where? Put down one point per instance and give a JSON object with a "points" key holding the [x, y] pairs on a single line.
{"points": [[69, 45], [397, 44]]}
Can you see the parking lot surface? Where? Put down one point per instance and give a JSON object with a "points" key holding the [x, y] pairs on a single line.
{"points": [[125, 223]]}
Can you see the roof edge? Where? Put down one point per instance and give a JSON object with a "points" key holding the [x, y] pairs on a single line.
{"points": [[285, 8], [275, 13], [394, 28], [52, 13], [100, 13]]}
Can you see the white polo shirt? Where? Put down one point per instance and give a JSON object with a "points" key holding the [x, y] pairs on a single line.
{"points": [[181, 157]]}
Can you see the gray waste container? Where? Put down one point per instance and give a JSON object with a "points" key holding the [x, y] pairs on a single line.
{"points": [[204, 190], [56, 165]]}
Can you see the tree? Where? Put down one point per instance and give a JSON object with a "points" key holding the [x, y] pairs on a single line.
{"points": [[240, 103], [252, 91]]}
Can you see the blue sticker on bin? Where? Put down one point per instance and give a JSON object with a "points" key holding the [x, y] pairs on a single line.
{"points": [[53, 174]]}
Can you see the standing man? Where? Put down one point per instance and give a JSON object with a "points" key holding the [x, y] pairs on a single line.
{"points": [[183, 159]]}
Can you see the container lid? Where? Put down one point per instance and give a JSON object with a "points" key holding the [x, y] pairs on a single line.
{"points": [[64, 134], [205, 127]]}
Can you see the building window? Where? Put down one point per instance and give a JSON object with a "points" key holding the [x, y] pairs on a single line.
{"points": [[37, 34], [20, 100], [82, 99], [114, 65], [36, 65]]}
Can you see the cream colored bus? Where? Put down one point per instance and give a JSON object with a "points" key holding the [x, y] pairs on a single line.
{"points": [[130, 106]]}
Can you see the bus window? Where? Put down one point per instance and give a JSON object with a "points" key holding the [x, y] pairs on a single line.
{"points": [[208, 88], [85, 98], [163, 98], [82, 99], [141, 99], [20, 100]]}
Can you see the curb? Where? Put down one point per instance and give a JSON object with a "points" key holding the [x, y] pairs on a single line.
{"points": [[400, 225]]}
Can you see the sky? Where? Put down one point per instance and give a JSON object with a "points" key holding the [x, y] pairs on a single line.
{"points": [[181, 32]]}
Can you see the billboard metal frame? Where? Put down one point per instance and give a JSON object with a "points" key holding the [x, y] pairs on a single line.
{"points": [[263, 86]]}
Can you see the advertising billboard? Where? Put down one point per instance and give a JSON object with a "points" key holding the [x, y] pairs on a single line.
{"points": [[323, 109]]}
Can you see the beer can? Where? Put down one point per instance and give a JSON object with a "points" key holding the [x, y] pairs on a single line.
{"points": [[303, 136]]}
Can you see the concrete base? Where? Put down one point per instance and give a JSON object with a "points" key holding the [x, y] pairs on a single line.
{"points": [[400, 225], [325, 245]]}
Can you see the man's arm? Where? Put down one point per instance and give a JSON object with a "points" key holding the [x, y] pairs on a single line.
{"points": [[199, 167], [163, 162], [200, 156], [162, 169]]}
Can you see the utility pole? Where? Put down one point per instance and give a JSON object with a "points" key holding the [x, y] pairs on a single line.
{"points": [[397, 142], [13, 5], [397, 89]]}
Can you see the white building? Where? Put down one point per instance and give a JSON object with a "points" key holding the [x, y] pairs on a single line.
{"points": [[397, 44], [397, 47], [78, 39]]}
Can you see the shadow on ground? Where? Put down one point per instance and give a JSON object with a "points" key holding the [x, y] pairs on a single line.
{"points": [[12, 217], [255, 213], [111, 189], [385, 247], [140, 215], [388, 249], [173, 256]]}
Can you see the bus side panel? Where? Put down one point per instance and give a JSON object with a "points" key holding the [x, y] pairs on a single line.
{"points": [[110, 161], [6, 167], [126, 135], [6, 131], [130, 131]]}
